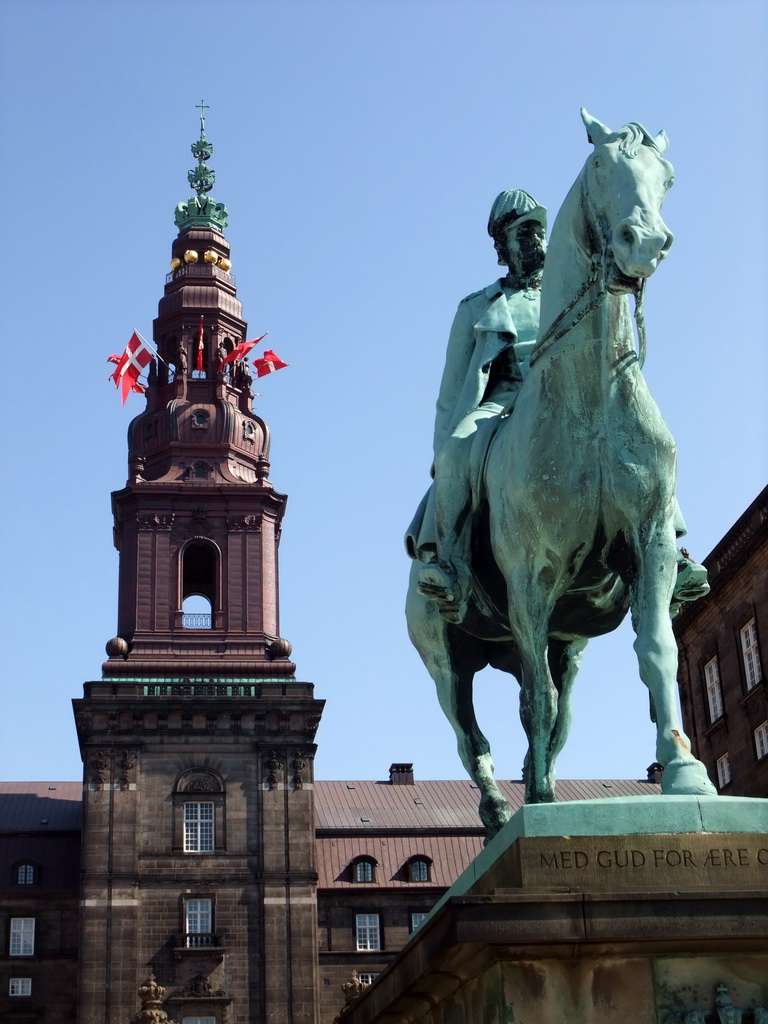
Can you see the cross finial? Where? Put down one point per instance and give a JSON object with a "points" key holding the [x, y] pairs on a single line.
{"points": [[202, 106]]}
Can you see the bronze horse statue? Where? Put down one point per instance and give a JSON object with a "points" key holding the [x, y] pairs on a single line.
{"points": [[574, 510]]}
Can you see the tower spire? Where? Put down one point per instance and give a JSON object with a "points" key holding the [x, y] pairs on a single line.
{"points": [[202, 106], [201, 210]]}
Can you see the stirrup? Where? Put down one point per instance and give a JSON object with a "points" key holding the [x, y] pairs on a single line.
{"points": [[438, 581]]}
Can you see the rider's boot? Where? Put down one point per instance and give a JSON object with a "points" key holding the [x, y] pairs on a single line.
{"points": [[447, 585], [445, 579], [691, 582]]}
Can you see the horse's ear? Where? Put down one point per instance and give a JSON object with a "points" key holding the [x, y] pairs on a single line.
{"points": [[597, 132], [662, 142]]}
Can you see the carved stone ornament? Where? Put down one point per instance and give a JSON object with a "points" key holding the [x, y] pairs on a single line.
{"points": [[198, 525], [352, 990], [723, 1012], [249, 523], [274, 767], [199, 987], [298, 766], [127, 765], [152, 995], [98, 767], [199, 786], [152, 521]]}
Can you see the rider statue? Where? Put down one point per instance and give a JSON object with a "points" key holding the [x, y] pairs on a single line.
{"points": [[491, 339]]}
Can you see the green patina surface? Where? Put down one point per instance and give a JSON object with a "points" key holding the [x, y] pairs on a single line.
{"points": [[201, 210], [553, 507]]}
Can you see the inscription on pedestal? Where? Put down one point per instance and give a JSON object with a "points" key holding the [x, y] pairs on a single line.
{"points": [[727, 861]]}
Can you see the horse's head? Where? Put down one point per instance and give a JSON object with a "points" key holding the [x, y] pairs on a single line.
{"points": [[625, 181]]}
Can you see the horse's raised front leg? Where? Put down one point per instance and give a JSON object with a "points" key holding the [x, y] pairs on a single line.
{"points": [[657, 658], [452, 658]]}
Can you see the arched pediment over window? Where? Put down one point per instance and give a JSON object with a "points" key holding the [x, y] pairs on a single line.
{"points": [[199, 780]]}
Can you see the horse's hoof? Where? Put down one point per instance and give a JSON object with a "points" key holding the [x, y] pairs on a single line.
{"points": [[494, 813], [686, 777]]}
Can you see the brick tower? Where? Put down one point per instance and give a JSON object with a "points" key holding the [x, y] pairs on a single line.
{"points": [[198, 742]]}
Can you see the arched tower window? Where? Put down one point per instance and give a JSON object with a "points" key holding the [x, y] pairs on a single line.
{"points": [[199, 571]]}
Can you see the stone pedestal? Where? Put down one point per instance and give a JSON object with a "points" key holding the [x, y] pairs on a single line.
{"points": [[648, 910]]}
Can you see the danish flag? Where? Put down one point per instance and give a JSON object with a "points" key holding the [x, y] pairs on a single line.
{"points": [[130, 365], [268, 363], [241, 351]]}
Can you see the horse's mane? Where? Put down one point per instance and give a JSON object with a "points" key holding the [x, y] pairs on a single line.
{"points": [[631, 137]]}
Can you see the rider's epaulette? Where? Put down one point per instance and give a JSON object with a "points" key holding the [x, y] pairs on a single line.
{"points": [[474, 295]]}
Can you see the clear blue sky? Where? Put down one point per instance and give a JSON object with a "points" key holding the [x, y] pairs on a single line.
{"points": [[359, 146]]}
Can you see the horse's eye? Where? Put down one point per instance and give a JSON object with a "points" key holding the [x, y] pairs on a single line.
{"points": [[596, 162]]}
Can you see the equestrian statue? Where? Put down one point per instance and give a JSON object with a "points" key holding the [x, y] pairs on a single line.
{"points": [[552, 510]]}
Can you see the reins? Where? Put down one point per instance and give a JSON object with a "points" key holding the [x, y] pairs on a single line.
{"points": [[596, 276]]}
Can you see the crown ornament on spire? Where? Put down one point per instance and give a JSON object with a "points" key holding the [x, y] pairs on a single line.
{"points": [[201, 210]]}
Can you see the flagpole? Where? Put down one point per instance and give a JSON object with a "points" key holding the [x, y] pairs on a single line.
{"points": [[151, 348]]}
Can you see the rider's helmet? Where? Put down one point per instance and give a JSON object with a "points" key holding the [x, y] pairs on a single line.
{"points": [[514, 206]]}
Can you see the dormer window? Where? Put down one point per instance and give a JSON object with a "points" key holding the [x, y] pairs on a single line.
{"points": [[364, 870], [419, 869], [25, 873]]}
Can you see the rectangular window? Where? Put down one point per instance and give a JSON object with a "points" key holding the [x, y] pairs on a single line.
{"points": [[723, 771], [22, 936], [198, 923], [367, 932], [750, 653], [416, 920], [761, 740], [20, 987], [198, 827], [367, 977], [714, 690], [198, 1020]]}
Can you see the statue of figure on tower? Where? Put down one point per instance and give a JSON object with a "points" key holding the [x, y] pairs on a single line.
{"points": [[182, 362], [493, 333]]}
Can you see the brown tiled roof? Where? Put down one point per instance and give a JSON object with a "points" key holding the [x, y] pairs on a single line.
{"points": [[40, 806], [435, 819], [449, 855], [437, 804]]}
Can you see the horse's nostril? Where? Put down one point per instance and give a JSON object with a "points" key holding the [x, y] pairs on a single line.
{"points": [[627, 235]]}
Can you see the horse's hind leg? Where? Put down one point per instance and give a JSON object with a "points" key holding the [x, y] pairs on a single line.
{"points": [[452, 658], [564, 661], [657, 658]]}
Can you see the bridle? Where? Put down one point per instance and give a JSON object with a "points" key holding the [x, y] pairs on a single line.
{"points": [[596, 279]]}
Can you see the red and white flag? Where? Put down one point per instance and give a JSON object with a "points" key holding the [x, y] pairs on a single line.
{"points": [[130, 365], [199, 366], [241, 351], [268, 363]]}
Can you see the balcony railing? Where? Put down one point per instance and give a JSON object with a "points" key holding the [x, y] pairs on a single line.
{"points": [[199, 270], [196, 620], [200, 940]]}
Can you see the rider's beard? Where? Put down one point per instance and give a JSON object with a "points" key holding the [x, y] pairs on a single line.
{"points": [[531, 258]]}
